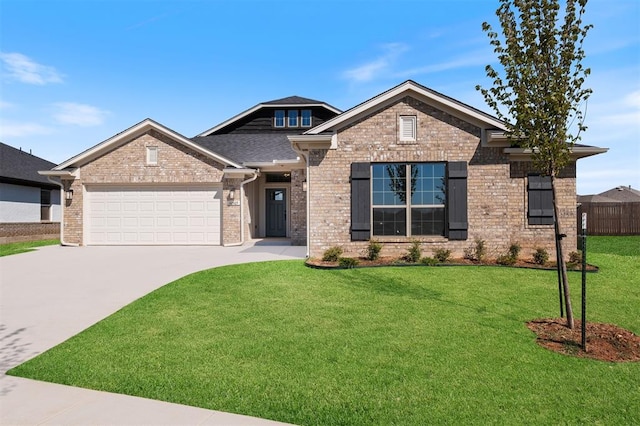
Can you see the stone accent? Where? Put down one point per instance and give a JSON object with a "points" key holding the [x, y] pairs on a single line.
{"points": [[298, 208], [127, 164], [497, 191], [18, 232], [231, 212]]}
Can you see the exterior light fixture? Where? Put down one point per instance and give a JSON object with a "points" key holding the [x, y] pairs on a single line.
{"points": [[304, 185], [232, 194], [69, 194]]}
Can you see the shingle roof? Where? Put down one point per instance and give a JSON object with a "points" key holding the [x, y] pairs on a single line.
{"points": [[596, 199], [17, 166], [622, 193], [249, 148], [293, 100]]}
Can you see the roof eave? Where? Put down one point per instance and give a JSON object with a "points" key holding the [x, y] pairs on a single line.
{"points": [[407, 88], [306, 142], [133, 132], [576, 152]]}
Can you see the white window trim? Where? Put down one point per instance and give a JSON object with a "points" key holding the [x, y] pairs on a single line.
{"points": [[152, 156], [408, 128], [290, 117], [275, 118], [302, 120]]}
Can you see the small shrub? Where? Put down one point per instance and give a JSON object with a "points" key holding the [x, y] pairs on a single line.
{"points": [[476, 252], [442, 255], [373, 249], [510, 257], [575, 257], [506, 259], [514, 251], [469, 253], [347, 262], [332, 254], [541, 256], [430, 261], [414, 252]]}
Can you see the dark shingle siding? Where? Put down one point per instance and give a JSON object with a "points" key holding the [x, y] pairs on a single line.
{"points": [[21, 168]]}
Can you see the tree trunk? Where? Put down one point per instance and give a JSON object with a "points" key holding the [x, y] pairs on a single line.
{"points": [[562, 266]]}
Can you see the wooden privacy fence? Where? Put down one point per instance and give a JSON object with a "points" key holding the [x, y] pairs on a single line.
{"points": [[610, 218]]}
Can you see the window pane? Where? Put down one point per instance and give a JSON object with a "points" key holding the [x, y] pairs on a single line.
{"points": [[278, 120], [427, 221], [293, 117], [428, 184], [389, 221], [306, 118], [390, 181]]}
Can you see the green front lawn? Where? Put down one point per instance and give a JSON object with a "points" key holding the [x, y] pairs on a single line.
{"points": [[397, 345], [15, 248]]}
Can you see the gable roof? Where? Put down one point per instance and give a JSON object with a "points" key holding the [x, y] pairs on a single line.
{"points": [[19, 167], [622, 193], [291, 101], [422, 93], [294, 100], [134, 131]]}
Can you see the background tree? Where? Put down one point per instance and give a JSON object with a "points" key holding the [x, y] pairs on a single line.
{"points": [[540, 96]]}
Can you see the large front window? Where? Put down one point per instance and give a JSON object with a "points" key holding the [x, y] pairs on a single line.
{"points": [[408, 199]]}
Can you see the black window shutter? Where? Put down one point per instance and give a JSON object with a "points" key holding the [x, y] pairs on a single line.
{"points": [[540, 198], [457, 222], [360, 201]]}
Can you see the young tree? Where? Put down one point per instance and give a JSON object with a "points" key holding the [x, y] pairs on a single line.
{"points": [[541, 96]]}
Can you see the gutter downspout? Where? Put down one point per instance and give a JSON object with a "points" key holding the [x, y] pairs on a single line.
{"points": [[62, 209], [256, 173]]}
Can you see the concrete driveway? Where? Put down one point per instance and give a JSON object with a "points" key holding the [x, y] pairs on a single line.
{"points": [[51, 294]]}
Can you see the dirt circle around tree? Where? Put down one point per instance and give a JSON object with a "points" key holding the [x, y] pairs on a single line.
{"points": [[605, 342]]}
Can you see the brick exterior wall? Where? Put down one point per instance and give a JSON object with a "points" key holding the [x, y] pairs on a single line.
{"points": [[18, 232], [497, 189], [127, 164], [298, 208]]}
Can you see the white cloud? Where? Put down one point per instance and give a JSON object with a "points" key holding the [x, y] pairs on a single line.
{"points": [[5, 105], [78, 114], [372, 69], [17, 130], [480, 57], [21, 68]]}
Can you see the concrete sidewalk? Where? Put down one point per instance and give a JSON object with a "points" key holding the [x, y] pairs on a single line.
{"points": [[51, 294]]}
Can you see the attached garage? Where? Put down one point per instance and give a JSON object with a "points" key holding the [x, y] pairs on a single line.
{"points": [[152, 215]]}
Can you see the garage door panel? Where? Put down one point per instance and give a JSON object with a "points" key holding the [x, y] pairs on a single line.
{"points": [[153, 215]]}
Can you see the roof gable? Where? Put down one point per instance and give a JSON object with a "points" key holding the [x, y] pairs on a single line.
{"points": [[17, 166], [419, 92], [133, 132], [291, 101]]}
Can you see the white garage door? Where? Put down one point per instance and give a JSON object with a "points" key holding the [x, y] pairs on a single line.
{"points": [[153, 215]]}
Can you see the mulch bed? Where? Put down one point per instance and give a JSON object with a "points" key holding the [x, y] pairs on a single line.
{"points": [[605, 342], [394, 261]]}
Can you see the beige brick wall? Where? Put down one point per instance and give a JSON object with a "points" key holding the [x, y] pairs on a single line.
{"points": [[298, 208], [127, 164], [496, 192]]}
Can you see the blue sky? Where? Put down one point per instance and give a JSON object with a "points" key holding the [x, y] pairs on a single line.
{"points": [[75, 73]]}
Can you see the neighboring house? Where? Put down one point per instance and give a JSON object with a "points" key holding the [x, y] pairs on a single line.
{"points": [[29, 202], [407, 164], [624, 194]]}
